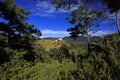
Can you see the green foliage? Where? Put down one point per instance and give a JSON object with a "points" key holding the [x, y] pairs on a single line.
{"points": [[41, 54], [14, 26], [16, 63], [66, 51], [83, 19], [69, 62], [66, 62], [18, 68]]}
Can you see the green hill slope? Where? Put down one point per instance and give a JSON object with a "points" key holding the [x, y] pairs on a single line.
{"points": [[50, 43]]}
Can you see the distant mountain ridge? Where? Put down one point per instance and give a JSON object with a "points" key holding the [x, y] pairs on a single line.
{"points": [[79, 39]]}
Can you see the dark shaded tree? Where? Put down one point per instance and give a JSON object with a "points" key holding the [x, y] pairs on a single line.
{"points": [[17, 32], [83, 18], [113, 7], [13, 25]]}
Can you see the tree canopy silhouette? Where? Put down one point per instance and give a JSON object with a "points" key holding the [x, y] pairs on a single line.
{"points": [[112, 6], [13, 25], [83, 19]]}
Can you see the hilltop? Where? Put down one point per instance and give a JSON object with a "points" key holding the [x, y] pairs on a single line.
{"points": [[50, 43]]}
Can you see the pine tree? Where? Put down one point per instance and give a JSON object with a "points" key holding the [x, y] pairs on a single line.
{"points": [[114, 7], [13, 25], [83, 18]]}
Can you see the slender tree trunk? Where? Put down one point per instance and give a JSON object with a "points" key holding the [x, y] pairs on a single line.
{"points": [[88, 39], [117, 21]]}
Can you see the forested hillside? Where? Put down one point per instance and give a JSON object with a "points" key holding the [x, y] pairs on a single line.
{"points": [[26, 56], [64, 63], [81, 41]]}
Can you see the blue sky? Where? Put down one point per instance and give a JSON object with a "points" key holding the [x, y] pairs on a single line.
{"points": [[53, 23]]}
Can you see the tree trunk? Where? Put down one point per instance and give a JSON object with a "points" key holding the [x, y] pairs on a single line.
{"points": [[117, 21], [88, 39]]}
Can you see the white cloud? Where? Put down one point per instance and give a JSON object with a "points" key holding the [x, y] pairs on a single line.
{"points": [[53, 33], [45, 9], [100, 33]]}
